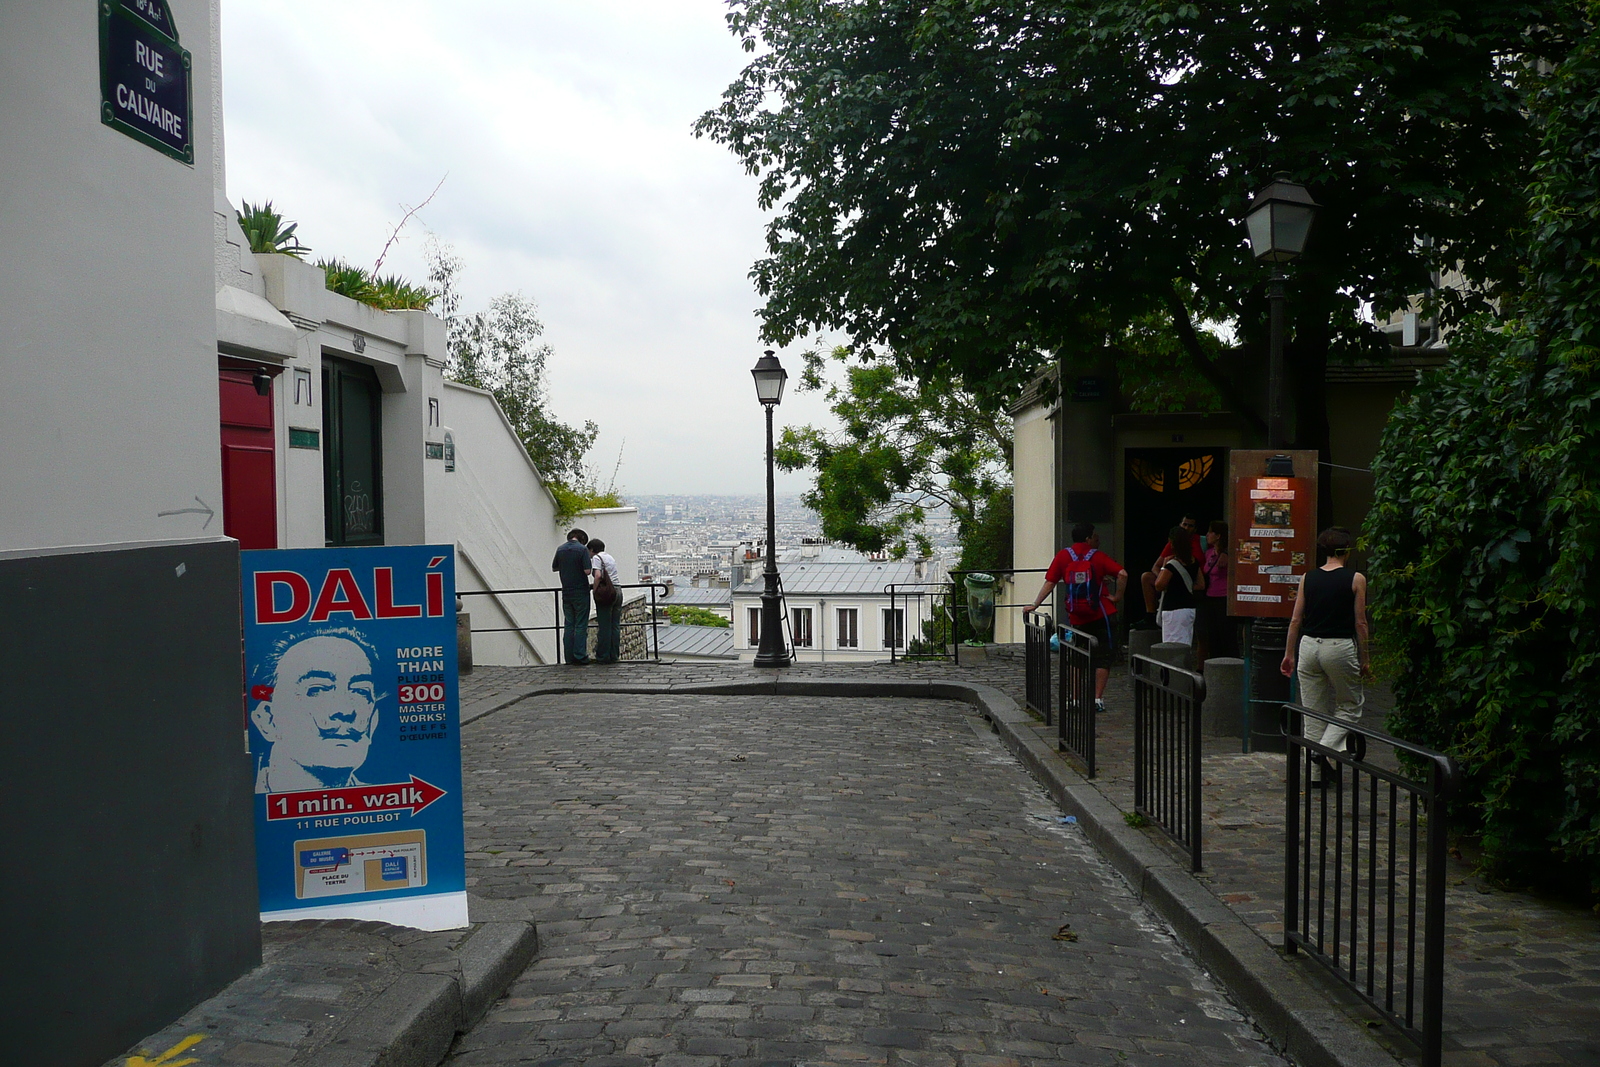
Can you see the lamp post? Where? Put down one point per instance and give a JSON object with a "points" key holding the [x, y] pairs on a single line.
{"points": [[771, 651], [1278, 222]]}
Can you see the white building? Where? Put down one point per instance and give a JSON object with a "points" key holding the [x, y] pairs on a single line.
{"points": [[839, 605]]}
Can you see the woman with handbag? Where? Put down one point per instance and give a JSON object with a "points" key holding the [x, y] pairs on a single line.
{"points": [[1177, 584], [607, 602]]}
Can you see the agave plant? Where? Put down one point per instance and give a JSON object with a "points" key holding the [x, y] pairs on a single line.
{"points": [[389, 293], [268, 232]]}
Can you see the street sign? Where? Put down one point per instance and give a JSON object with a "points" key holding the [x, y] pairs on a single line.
{"points": [[354, 728], [144, 76]]}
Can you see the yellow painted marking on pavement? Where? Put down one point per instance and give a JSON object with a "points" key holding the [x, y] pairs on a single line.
{"points": [[165, 1059]]}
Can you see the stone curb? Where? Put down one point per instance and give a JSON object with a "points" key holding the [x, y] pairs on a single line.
{"points": [[414, 1022], [1303, 1016]]}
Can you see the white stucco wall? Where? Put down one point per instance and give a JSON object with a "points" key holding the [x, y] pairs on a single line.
{"points": [[502, 520], [108, 382], [619, 529]]}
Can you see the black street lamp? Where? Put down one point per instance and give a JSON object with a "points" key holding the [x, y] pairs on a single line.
{"points": [[1278, 222], [771, 651]]}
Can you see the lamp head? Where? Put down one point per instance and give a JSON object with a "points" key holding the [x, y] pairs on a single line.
{"points": [[1279, 220], [262, 382], [770, 376]]}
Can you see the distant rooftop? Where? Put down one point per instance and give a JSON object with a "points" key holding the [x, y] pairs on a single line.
{"points": [[678, 639], [831, 575]]}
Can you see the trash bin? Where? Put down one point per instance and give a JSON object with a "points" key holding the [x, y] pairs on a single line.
{"points": [[980, 601]]}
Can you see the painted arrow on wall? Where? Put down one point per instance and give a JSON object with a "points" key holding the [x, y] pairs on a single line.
{"points": [[204, 509]]}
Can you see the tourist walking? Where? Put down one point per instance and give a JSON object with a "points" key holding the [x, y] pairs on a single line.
{"points": [[607, 603], [1327, 647], [1095, 583], [572, 562], [1178, 583]]}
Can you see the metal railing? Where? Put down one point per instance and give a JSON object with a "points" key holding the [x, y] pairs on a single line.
{"points": [[1353, 879], [1036, 662], [948, 612], [1075, 700], [652, 641], [1166, 749]]}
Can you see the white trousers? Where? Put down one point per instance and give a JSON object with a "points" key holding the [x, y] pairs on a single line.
{"points": [[1329, 670], [1177, 625]]}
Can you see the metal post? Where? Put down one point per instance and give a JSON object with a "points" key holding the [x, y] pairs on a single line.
{"points": [[1291, 842], [1433, 925], [1276, 437], [772, 651]]}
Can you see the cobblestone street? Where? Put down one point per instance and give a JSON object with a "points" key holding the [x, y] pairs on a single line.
{"points": [[796, 880]]}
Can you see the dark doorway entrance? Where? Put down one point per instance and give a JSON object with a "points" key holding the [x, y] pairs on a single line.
{"points": [[249, 463], [1160, 487], [352, 453]]}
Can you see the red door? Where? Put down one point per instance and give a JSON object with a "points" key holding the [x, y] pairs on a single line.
{"points": [[249, 467]]}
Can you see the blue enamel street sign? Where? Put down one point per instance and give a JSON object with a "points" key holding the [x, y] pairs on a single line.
{"points": [[144, 76]]}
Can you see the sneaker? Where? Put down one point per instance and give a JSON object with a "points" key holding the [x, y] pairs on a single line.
{"points": [[1099, 707]]}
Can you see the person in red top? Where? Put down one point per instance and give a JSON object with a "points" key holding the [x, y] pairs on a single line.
{"points": [[1094, 584]]}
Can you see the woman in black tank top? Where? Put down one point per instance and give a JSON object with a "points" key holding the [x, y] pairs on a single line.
{"points": [[1327, 647]]}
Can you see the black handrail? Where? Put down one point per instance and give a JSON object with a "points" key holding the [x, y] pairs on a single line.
{"points": [[1036, 630], [1166, 749], [1075, 698], [1378, 942], [654, 641]]}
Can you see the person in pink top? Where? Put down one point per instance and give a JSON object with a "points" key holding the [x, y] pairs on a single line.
{"points": [[1212, 631]]}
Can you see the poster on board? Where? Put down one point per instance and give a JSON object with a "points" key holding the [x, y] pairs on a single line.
{"points": [[1273, 523], [354, 730]]}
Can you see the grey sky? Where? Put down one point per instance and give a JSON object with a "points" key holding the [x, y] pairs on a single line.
{"points": [[573, 177]]}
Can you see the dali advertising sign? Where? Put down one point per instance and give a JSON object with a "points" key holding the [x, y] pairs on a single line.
{"points": [[1274, 533], [354, 727]]}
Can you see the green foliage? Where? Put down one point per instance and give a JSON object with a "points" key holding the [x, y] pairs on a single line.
{"points": [[571, 502], [971, 183], [499, 350], [986, 541], [387, 292], [693, 616], [1486, 524], [267, 231], [904, 446]]}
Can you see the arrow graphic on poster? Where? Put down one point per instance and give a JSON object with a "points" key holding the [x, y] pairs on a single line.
{"points": [[358, 799]]}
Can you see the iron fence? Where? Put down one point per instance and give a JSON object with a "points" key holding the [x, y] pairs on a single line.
{"points": [[1036, 662], [652, 640], [1075, 699], [1350, 901], [946, 622], [1166, 749]]}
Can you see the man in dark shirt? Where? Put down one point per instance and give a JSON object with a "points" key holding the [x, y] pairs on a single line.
{"points": [[572, 562]]}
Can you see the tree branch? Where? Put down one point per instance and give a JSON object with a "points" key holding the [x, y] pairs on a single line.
{"points": [[395, 235], [1203, 363]]}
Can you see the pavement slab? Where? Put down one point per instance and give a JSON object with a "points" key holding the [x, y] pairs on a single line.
{"points": [[755, 879]]}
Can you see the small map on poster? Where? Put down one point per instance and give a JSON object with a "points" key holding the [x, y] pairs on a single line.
{"points": [[365, 863]]}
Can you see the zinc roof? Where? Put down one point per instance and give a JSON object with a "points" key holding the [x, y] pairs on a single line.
{"points": [[678, 639]]}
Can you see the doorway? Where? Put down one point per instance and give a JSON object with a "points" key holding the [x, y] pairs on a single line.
{"points": [[1159, 487], [352, 453], [249, 461]]}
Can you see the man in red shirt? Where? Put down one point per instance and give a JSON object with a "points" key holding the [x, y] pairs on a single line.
{"points": [[1091, 601]]}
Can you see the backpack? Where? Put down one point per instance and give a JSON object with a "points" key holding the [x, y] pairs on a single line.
{"points": [[1080, 583], [606, 592]]}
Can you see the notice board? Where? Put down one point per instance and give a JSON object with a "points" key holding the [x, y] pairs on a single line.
{"points": [[1273, 520], [353, 705]]}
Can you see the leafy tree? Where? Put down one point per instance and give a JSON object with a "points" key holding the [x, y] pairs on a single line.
{"points": [[692, 616], [499, 350], [267, 231], [904, 447], [1487, 522], [972, 183]]}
